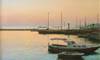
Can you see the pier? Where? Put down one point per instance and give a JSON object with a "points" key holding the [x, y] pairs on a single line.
{"points": [[51, 31]]}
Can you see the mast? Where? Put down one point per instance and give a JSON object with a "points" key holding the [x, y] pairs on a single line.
{"points": [[61, 21], [97, 18], [85, 22], [76, 21], [68, 26], [80, 24], [48, 19], [65, 25]]}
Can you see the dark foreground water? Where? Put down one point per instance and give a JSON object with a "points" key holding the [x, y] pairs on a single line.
{"points": [[26, 45]]}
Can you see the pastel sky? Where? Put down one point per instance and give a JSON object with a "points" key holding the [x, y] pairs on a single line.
{"points": [[34, 12]]}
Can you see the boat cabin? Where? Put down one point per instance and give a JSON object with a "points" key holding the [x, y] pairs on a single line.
{"points": [[58, 42]]}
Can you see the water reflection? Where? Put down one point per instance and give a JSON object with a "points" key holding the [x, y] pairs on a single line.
{"points": [[89, 56], [26, 45], [70, 59]]}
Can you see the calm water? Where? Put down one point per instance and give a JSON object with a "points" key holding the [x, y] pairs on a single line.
{"points": [[26, 45]]}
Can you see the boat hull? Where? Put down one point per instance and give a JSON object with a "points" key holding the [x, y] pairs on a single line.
{"points": [[75, 57], [84, 50], [54, 50], [61, 49], [70, 56]]}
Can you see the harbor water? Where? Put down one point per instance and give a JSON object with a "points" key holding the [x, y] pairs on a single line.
{"points": [[27, 45]]}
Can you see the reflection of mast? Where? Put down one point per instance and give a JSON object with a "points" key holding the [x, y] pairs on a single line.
{"points": [[48, 20]]}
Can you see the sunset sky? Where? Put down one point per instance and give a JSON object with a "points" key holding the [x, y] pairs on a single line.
{"points": [[22, 13]]}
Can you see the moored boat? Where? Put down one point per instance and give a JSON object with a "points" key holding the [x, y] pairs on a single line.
{"points": [[54, 47], [70, 55], [72, 46]]}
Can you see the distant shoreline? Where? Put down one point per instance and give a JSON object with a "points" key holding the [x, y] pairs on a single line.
{"points": [[16, 29]]}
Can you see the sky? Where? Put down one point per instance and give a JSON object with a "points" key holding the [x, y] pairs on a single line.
{"points": [[26, 13]]}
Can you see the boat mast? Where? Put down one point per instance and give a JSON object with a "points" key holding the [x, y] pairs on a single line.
{"points": [[48, 19], [68, 26], [61, 21], [64, 25], [97, 18], [85, 22], [80, 24], [76, 21]]}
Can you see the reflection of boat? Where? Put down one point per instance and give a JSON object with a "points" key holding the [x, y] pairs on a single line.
{"points": [[70, 55], [72, 46]]}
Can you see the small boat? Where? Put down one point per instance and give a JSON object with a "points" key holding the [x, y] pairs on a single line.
{"points": [[54, 47], [71, 46], [70, 55]]}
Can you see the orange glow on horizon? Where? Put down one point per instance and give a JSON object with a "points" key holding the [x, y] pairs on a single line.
{"points": [[34, 11]]}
